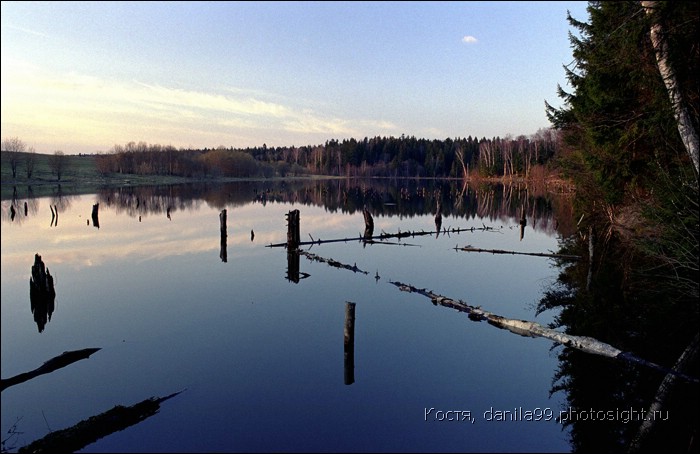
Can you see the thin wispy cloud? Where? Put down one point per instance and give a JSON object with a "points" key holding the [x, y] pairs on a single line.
{"points": [[104, 106], [27, 30], [469, 39]]}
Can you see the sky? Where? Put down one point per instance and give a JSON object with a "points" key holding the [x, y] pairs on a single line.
{"points": [[82, 77]]}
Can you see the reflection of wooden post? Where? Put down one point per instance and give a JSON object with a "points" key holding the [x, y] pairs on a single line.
{"points": [[523, 223], [95, 215], [223, 254], [293, 265], [222, 221], [438, 218], [349, 344], [369, 224], [293, 237]]}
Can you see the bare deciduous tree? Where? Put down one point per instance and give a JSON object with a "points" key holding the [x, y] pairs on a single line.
{"points": [[57, 162], [29, 162], [14, 146]]}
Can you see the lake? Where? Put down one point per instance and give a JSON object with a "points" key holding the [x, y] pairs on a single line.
{"points": [[254, 337]]}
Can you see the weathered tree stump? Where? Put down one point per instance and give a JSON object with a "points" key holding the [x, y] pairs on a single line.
{"points": [[42, 294], [293, 237]]}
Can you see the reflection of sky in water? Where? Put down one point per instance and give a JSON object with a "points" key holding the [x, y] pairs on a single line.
{"points": [[261, 357]]}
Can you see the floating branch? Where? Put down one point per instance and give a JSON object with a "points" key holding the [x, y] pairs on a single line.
{"points": [[532, 329], [332, 262], [92, 429], [62, 360], [536, 254]]}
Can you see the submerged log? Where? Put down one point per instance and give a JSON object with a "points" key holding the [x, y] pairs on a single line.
{"points": [[92, 429], [382, 236], [536, 254], [668, 385], [293, 238], [58, 362], [532, 329], [331, 262]]}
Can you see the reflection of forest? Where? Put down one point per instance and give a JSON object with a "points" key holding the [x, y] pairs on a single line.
{"points": [[24, 204], [383, 197], [638, 313]]}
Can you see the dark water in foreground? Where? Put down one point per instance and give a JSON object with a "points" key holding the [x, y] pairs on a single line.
{"points": [[261, 357]]}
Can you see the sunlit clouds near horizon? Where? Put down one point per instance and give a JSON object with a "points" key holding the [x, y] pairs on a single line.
{"points": [[83, 77]]}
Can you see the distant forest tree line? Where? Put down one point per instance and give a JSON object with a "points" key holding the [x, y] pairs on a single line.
{"points": [[403, 156]]}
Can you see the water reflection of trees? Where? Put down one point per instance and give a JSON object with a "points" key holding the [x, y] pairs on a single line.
{"points": [[622, 308], [24, 204], [382, 197]]}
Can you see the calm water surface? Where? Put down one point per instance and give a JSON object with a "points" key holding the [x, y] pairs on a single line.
{"points": [[260, 356]]}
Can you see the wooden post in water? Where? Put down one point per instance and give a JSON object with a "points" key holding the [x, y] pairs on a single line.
{"points": [[293, 237], [42, 295], [349, 343], [223, 253], [523, 223]]}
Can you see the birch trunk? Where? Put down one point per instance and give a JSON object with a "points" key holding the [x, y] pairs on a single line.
{"points": [[689, 135]]}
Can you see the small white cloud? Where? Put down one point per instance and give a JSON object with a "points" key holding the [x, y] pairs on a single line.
{"points": [[469, 39]]}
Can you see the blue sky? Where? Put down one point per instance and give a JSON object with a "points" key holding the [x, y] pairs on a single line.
{"points": [[84, 76]]}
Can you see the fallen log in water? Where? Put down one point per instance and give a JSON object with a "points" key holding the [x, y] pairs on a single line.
{"points": [[92, 429], [666, 388], [383, 236], [532, 329], [332, 262], [62, 360], [536, 254]]}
